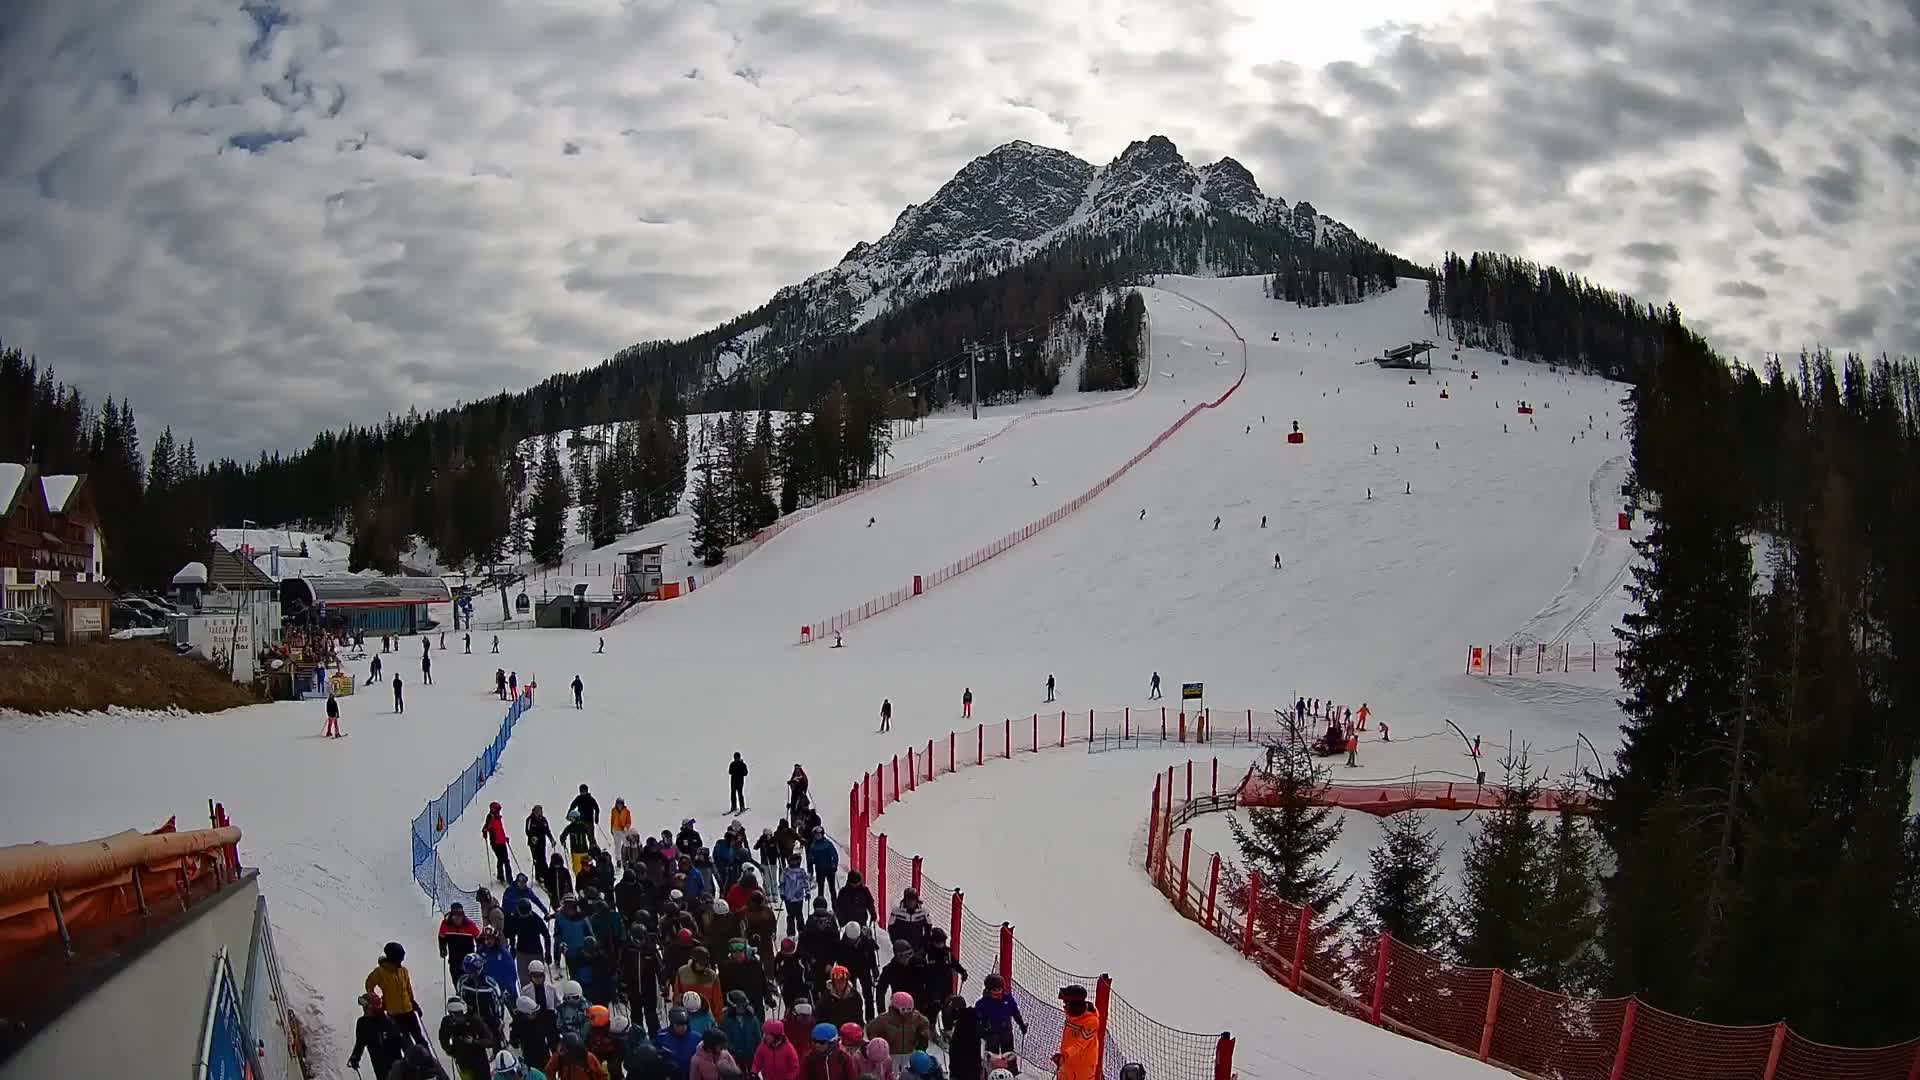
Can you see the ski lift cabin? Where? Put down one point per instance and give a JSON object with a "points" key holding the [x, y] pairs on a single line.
{"points": [[1408, 356]]}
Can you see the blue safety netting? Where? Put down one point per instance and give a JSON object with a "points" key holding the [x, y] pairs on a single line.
{"points": [[432, 822]]}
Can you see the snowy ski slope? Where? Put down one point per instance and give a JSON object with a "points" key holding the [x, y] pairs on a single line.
{"points": [[1377, 602]]}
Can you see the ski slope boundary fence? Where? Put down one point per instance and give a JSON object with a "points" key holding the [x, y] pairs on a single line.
{"points": [[1540, 658], [832, 624], [984, 946], [430, 825], [1482, 1013]]}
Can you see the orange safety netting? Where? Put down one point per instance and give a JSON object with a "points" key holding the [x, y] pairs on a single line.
{"points": [[1479, 1012]]}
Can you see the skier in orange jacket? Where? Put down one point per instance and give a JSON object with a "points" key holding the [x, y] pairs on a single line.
{"points": [[1079, 1056]]}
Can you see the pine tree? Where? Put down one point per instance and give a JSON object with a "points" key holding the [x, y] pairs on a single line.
{"points": [[605, 520], [1570, 924], [548, 516], [710, 518], [1289, 841], [585, 471], [1505, 887], [1402, 894]]}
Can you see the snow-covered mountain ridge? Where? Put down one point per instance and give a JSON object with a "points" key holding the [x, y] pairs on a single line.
{"points": [[1011, 204]]}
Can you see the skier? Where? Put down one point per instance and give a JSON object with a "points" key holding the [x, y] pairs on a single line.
{"points": [[376, 1035], [426, 669], [578, 839], [500, 682], [399, 702], [467, 1040], [870, 522], [1049, 686], [1216, 523], [737, 784], [963, 1039], [1036, 481], [333, 717], [824, 859], [481, 994], [966, 703], [495, 830], [532, 942], [466, 643], [534, 1031], [513, 684], [1153, 690], [539, 835], [1263, 521], [886, 715], [775, 1058], [579, 693], [425, 647], [588, 806], [1143, 513], [837, 642], [854, 904], [373, 671], [794, 884], [1079, 1056], [796, 792], [602, 649], [496, 643], [459, 936], [1276, 560], [620, 820], [390, 980], [443, 641]]}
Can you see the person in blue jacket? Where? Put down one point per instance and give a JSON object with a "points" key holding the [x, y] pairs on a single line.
{"points": [[570, 930], [998, 1013], [518, 891], [824, 860], [499, 963], [678, 1042], [724, 863]]}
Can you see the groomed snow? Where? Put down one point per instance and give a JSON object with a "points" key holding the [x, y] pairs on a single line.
{"points": [[1378, 601]]}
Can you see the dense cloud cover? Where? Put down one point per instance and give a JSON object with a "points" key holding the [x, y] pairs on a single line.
{"points": [[258, 219]]}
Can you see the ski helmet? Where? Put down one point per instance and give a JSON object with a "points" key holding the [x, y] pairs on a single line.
{"points": [[852, 1032], [456, 1007], [920, 1063], [495, 807], [536, 967], [599, 1016], [714, 1038], [691, 1001], [737, 998], [999, 1074], [851, 931], [505, 1062], [394, 951], [720, 908], [619, 1024], [1073, 993], [677, 1015], [824, 1033], [526, 1006], [1133, 1070], [774, 1027], [571, 1041], [473, 963], [571, 989], [573, 815], [903, 1001]]}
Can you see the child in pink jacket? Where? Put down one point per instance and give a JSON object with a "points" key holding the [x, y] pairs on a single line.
{"points": [[775, 1058]]}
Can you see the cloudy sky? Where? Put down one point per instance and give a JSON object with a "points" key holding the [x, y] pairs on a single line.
{"points": [[261, 218]]}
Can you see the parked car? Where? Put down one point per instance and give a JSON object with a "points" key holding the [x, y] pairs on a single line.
{"points": [[128, 617], [154, 609], [20, 625]]}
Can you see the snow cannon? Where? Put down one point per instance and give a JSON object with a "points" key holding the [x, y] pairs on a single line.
{"points": [[1296, 437]]}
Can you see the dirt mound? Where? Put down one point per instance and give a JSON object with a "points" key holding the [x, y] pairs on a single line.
{"points": [[125, 674]]}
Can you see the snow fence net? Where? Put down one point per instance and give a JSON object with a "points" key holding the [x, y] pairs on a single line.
{"points": [[433, 821], [1483, 1013]]}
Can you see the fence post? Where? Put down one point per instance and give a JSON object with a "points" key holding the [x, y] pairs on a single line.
{"points": [[880, 871], [1189, 779], [913, 773], [1382, 958], [1153, 824], [1089, 725], [1249, 725], [1216, 778], [1126, 723], [980, 744], [1163, 723], [1213, 888], [1626, 1039], [953, 938], [1253, 913], [1186, 856], [896, 778], [1300, 933], [1223, 1057], [1102, 999], [916, 873], [1493, 1015], [1036, 733], [1063, 725], [952, 739], [1007, 733], [1006, 956], [1773, 1054], [1183, 725]]}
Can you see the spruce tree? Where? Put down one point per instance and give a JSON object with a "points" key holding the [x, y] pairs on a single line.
{"points": [[1505, 887], [1402, 895], [1289, 841], [605, 520], [1571, 921], [548, 517], [710, 517]]}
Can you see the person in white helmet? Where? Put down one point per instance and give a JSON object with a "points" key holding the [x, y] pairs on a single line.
{"points": [[508, 1067], [467, 1040], [534, 1033]]}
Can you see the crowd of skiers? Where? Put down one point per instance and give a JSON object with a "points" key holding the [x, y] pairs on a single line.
{"points": [[664, 958]]}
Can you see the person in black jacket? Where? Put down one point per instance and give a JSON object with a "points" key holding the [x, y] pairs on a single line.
{"points": [[531, 939], [640, 969], [747, 973], [855, 902], [938, 967], [737, 783], [539, 835], [839, 1003], [903, 972], [860, 954], [377, 1036], [535, 1031], [819, 938], [963, 1039], [588, 806]]}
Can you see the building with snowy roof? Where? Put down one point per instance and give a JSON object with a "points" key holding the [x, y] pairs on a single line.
{"points": [[372, 605], [49, 531]]}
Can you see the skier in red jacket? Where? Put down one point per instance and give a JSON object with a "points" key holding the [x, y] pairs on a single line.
{"points": [[495, 830]]}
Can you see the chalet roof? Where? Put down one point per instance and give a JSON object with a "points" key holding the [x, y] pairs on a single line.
{"points": [[13, 477], [59, 490], [79, 590], [226, 569]]}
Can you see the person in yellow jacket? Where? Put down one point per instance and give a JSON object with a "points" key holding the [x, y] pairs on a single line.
{"points": [[1079, 1056], [390, 980]]}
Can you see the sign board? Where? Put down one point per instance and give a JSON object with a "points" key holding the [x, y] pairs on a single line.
{"points": [[226, 1051], [1476, 660], [85, 620], [1192, 691]]}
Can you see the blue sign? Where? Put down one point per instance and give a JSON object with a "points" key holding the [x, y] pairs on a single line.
{"points": [[227, 1050]]}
